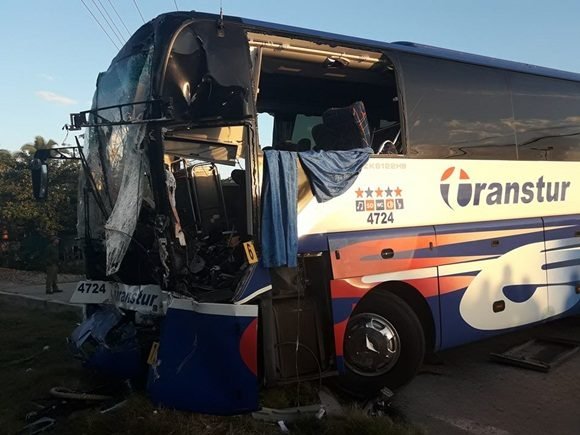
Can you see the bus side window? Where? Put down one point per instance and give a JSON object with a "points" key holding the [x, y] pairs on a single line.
{"points": [[546, 115], [456, 110]]}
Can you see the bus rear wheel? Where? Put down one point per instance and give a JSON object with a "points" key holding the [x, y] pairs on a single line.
{"points": [[384, 345]]}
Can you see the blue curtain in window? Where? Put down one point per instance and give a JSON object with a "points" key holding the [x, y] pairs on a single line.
{"points": [[330, 174], [279, 199]]}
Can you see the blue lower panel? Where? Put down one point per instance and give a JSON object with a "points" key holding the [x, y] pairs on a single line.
{"points": [[200, 363]]}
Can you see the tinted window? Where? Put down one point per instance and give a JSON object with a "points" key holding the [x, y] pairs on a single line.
{"points": [[455, 110], [547, 117]]}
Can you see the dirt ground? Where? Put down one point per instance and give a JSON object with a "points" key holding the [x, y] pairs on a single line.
{"points": [[468, 393]]}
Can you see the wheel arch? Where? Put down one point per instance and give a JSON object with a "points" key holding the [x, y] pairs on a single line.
{"points": [[414, 299]]}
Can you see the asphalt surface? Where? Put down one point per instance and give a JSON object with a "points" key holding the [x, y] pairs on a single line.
{"points": [[27, 288], [466, 393]]}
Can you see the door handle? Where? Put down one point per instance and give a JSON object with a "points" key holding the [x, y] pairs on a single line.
{"points": [[387, 253]]}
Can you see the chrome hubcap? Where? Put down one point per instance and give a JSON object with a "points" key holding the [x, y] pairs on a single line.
{"points": [[371, 345]]}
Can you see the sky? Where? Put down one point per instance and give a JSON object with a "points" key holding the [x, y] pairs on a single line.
{"points": [[52, 50]]}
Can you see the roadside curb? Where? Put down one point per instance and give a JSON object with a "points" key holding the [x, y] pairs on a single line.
{"points": [[51, 305]]}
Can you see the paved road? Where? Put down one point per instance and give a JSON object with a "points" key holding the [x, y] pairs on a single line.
{"points": [[26, 293], [38, 291], [468, 393]]}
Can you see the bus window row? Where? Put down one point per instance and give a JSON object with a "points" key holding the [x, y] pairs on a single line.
{"points": [[463, 111]]}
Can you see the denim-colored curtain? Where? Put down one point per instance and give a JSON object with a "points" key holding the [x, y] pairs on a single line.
{"points": [[330, 173], [279, 198]]}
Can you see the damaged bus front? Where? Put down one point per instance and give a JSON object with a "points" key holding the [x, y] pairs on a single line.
{"points": [[207, 260], [169, 215], [407, 200]]}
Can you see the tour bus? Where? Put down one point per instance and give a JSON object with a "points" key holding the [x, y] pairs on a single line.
{"points": [[407, 199]]}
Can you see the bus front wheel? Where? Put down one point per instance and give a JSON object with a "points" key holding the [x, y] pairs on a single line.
{"points": [[384, 345]]}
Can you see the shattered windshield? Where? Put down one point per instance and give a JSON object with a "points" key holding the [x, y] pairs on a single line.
{"points": [[116, 157]]}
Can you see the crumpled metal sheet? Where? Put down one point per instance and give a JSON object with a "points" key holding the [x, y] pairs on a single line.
{"points": [[108, 343], [97, 326]]}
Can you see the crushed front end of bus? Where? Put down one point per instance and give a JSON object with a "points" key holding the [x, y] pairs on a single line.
{"points": [[163, 233], [209, 272]]}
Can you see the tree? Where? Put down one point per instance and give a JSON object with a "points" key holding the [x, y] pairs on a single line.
{"points": [[25, 218], [39, 144]]}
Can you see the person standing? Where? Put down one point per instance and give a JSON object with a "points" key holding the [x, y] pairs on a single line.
{"points": [[51, 258]]}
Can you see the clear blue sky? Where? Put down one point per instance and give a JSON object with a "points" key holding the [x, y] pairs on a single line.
{"points": [[52, 50]]}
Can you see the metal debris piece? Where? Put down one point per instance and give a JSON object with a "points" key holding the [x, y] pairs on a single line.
{"points": [[541, 354], [274, 415], [380, 405]]}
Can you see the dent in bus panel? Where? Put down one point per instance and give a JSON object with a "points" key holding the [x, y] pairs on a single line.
{"points": [[456, 110]]}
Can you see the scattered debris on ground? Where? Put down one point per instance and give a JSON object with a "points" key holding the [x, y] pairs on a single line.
{"points": [[541, 354], [36, 340]]}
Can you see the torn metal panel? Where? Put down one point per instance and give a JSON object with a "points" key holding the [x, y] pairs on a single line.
{"points": [[107, 342], [208, 73]]}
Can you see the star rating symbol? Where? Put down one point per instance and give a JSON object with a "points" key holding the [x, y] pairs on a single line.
{"points": [[398, 191], [369, 192], [379, 192], [389, 191], [359, 192]]}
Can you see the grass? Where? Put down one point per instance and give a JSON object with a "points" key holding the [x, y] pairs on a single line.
{"points": [[28, 372]]}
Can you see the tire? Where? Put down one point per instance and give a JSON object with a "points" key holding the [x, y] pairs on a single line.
{"points": [[384, 345]]}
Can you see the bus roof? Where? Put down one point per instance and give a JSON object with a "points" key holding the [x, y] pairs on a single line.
{"points": [[410, 47]]}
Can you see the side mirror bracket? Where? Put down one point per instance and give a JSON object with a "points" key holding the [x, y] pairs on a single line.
{"points": [[39, 172]]}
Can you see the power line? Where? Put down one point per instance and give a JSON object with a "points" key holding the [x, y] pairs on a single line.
{"points": [[120, 19], [175, 3], [139, 10], [112, 21], [100, 25], [107, 21]]}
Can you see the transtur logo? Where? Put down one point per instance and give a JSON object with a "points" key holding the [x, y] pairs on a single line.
{"points": [[470, 193], [444, 187]]}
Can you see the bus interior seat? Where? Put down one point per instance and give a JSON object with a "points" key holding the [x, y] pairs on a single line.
{"points": [[206, 195], [343, 128]]}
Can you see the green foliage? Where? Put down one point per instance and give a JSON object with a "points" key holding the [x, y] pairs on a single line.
{"points": [[30, 221]]}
